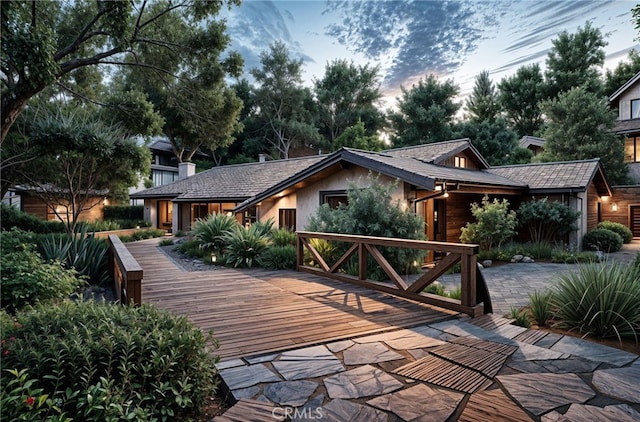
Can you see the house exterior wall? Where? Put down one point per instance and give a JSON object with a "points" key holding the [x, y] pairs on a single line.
{"points": [[624, 198], [33, 205], [270, 209], [308, 198], [624, 101]]}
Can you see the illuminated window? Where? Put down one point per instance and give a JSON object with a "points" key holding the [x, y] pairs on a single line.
{"points": [[460, 161], [632, 150], [635, 109]]}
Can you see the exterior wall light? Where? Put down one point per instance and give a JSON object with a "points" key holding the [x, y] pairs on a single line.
{"points": [[614, 207]]}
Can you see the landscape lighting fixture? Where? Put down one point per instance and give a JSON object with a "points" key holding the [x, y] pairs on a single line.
{"points": [[614, 207]]}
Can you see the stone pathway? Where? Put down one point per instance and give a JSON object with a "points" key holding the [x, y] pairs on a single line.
{"points": [[462, 369]]}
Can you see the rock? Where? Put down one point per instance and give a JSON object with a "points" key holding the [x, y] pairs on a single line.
{"points": [[527, 260], [517, 258], [487, 263]]}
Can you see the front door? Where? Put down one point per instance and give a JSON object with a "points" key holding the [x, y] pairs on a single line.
{"points": [[634, 217]]}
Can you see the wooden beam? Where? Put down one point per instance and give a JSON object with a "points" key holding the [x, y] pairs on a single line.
{"points": [[430, 276], [386, 267]]}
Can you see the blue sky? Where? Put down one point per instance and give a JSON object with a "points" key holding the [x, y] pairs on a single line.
{"points": [[412, 39]]}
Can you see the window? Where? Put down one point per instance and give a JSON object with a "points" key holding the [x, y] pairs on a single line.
{"points": [[635, 109], [287, 219], [199, 211], [161, 177], [632, 150], [460, 161], [334, 198], [250, 216]]}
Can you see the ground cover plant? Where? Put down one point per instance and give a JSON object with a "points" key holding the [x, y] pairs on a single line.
{"points": [[98, 362]]}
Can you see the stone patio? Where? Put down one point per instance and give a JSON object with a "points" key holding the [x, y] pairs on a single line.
{"points": [[462, 369]]}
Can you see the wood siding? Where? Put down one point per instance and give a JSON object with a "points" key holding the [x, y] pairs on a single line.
{"points": [[591, 207], [471, 161], [33, 205], [626, 200]]}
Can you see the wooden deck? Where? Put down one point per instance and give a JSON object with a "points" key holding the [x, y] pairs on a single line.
{"points": [[253, 312]]}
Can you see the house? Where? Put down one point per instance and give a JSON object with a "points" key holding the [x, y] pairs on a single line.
{"points": [[439, 181], [532, 143]]}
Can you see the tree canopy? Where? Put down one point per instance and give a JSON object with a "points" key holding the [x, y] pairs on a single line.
{"points": [[62, 43], [425, 113], [519, 97], [483, 103], [624, 71]]}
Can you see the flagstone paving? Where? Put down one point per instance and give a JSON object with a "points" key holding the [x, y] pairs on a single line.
{"points": [[462, 369]]}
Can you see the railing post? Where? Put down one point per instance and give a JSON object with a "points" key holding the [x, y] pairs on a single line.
{"points": [[362, 261], [300, 251], [468, 280]]}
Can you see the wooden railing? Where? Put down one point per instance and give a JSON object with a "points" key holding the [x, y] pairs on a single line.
{"points": [[126, 272], [475, 298]]}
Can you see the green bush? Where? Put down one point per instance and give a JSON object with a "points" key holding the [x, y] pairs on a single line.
{"points": [[99, 362], [283, 237], [166, 242], [279, 257], [264, 228], [191, 248], [27, 279], [211, 231], [12, 217], [494, 224], [245, 246], [142, 234], [540, 305], [373, 212], [599, 299], [81, 251], [568, 257], [521, 319], [624, 231], [602, 240], [329, 251], [124, 212], [547, 221]]}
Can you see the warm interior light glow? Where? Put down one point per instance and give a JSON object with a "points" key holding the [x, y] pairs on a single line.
{"points": [[604, 198]]}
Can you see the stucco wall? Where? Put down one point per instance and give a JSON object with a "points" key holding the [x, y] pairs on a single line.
{"points": [[270, 209], [308, 198], [624, 105]]}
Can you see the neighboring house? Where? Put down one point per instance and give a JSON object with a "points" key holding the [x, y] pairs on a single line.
{"points": [[532, 143], [438, 181], [626, 100]]}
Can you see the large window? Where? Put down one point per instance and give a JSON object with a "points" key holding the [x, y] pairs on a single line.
{"points": [[632, 149], [334, 198], [199, 211], [162, 177], [635, 109], [287, 217]]}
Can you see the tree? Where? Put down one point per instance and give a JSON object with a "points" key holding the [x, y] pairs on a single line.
{"points": [[47, 43], [625, 70], [495, 141], [579, 126], [346, 94], [426, 113], [355, 137], [519, 96], [79, 157], [282, 103], [574, 60], [635, 12], [483, 103]]}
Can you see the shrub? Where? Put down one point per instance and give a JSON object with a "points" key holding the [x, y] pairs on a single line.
{"points": [[26, 278], [624, 231], [279, 257], [103, 362], [283, 237], [191, 248], [435, 289], [599, 299], [602, 240], [13, 217], [636, 261], [494, 224], [124, 212], [81, 251], [520, 317], [373, 212], [211, 231], [166, 242], [328, 251], [263, 228], [142, 234], [547, 221], [244, 246], [568, 257], [540, 305]]}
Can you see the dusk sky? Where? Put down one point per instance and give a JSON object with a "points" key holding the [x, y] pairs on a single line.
{"points": [[412, 39]]}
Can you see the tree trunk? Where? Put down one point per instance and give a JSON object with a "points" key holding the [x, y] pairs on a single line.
{"points": [[11, 109]]}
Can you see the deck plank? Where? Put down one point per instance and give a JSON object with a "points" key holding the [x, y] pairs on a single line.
{"points": [[256, 311]]}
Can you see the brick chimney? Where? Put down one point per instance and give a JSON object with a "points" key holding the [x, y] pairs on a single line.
{"points": [[186, 170]]}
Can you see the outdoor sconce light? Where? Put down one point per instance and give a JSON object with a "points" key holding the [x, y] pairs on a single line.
{"points": [[614, 207], [445, 194], [214, 258]]}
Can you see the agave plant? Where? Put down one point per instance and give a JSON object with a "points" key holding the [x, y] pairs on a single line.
{"points": [[245, 246], [212, 231], [79, 250], [264, 228]]}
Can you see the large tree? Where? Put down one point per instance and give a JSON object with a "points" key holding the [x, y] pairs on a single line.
{"points": [[519, 96], [578, 127], [62, 43], [575, 60], [283, 104], [483, 103], [494, 139], [345, 95], [77, 158], [425, 113], [625, 70]]}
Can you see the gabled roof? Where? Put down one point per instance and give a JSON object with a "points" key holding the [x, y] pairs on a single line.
{"points": [[233, 183], [437, 153], [563, 176], [410, 170], [626, 127], [624, 87], [525, 141]]}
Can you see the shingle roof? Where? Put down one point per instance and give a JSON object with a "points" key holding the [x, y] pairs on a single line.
{"points": [[437, 152], [624, 87], [630, 126], [234, 183], [525, 141], [556, 176]]}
